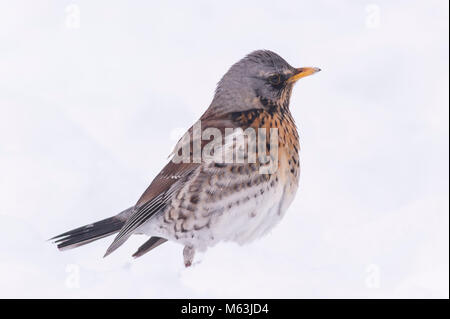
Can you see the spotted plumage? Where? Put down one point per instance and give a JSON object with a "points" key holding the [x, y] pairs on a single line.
{"points": [[199, 203]]}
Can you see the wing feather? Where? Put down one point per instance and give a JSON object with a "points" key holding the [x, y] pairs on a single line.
{"points": [[160, 193]]}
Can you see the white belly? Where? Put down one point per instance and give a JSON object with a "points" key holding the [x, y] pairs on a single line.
{"points": [[241, 216], [248, 221]]}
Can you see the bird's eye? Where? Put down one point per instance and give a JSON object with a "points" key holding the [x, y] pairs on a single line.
{"points": [[275, 79]]}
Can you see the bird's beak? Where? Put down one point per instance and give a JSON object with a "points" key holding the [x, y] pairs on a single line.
{"points": [[301, 73]]}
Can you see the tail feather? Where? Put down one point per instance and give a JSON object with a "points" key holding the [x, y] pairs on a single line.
{"points": [[89, 233], [86, 234], [150, 244]]}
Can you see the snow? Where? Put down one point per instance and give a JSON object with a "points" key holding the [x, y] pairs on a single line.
{"points": [[89, 110]]}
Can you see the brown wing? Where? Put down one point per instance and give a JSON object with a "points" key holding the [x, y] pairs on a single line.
{"points": [[172, 177], [172, 172], [154, 199]]}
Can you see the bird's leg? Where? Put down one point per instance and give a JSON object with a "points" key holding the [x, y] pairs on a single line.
{"points": [[188, 255]]}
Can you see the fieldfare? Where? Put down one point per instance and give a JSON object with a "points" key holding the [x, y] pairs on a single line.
{"points": [[214, 188]]}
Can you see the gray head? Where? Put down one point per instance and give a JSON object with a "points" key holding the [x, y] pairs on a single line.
{"points": [[262, 79]]}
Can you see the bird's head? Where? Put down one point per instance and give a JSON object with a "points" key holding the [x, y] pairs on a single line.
{"points": [[262, 79]]}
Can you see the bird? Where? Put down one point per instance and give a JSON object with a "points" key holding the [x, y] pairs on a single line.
{"points": [[199, 199]]}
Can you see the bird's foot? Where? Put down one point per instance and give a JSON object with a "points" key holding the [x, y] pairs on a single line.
{"points": [[188, 255]]}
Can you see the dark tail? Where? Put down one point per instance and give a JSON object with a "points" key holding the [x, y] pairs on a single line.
{"points": [[150, 244], [89, 233]]}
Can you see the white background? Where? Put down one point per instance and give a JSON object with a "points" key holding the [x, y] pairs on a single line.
{"points": [[93, 96]]}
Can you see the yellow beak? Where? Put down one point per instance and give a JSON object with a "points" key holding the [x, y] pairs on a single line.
{"points": [[301, 73]]}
